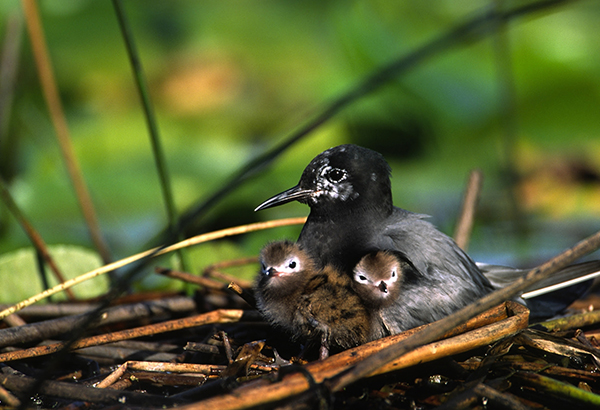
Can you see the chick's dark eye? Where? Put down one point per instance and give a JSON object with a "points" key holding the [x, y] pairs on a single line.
{"points": [[292, 265], [362, 277], [336, 175]]}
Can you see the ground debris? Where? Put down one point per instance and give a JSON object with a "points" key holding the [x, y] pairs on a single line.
{"points": [[229, 358]]}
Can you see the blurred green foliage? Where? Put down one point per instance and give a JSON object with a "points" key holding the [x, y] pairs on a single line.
{"points": [[229, 79]]}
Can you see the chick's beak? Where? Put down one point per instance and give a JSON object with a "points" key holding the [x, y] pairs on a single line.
{"points": [[296, 193], [383, 287], [269, 271]]}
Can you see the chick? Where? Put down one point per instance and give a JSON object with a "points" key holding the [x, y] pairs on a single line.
{"points": [[316, 306]]}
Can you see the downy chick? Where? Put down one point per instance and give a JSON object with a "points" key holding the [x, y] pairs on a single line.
{"points": [[378, 278], [316, 306], [400, 295]]}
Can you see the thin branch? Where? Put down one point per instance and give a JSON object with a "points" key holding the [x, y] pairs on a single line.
{"points": [[189, 278], [211, 236], [155, 140], [9, 63], [464, 226], [50, 90], [472, 30], [49, 329], [34, 236], [494, 325], [76, 392], [216, 316]]}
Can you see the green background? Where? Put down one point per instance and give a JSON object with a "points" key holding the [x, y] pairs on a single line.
{"points": [[230, 79]]}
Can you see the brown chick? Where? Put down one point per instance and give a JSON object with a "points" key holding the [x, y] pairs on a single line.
{"points": [[315, 306], [378, 279], [280, 281]]}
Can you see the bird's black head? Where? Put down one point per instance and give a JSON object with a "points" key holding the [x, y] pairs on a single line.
{"points": [[346, 176]]}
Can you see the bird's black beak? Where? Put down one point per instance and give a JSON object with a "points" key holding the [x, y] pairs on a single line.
{"points": [[296, 193], [383, 287]]}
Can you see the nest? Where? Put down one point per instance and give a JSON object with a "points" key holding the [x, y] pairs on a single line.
{"points": [[214, 350]]}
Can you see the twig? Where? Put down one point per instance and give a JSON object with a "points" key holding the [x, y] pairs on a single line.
{"points": [[497, 399], [189, 278], [14, 320], [7, 398], [553, 388], [474, 29], [216, 316], [87, 394], [262, 392], [157, 149], [571, 322], [464, 226], [48, 329], [54, 310], [211, 236], [34, 236], [212, 270], [228, 264], [205, 369], [243, 293], [9, 64], [49, 88]]}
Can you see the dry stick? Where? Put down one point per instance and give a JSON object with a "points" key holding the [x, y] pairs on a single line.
{"points": [[506, 401], [464, 226], [14, 321], [48, 83], [34, 236], [571, 322], [216, 316], [9, 69], [229, 264], [154, 252], [213, 272], [205, 369], [189, 278], [209, 283], [7, 398], [484, 329], [553, 388], [245, 294], [54, 310], [48, 329], [369, 365], [78, 392]]}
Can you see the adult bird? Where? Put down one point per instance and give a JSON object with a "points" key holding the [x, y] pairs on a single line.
{"points": [[352, 214]]}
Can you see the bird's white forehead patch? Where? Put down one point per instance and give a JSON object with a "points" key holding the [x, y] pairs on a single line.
{"points": [[342, 190]]}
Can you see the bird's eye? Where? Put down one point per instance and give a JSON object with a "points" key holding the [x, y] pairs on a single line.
{"points": [[362, 277], [292, 265], [394, 273], [336, 175]]}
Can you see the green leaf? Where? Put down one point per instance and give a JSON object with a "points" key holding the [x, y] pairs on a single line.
{"points": [[20, 278]]}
